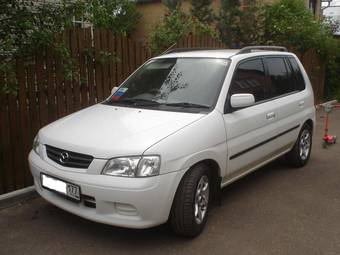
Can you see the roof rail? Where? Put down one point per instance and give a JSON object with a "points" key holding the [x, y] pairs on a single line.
{"points": [[178, 50], [249, 49]]}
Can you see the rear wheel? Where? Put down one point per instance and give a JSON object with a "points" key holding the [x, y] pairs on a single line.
{"points": [[299, 155], [191, 203]]}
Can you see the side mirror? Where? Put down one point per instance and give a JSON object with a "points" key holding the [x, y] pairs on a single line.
{"points": [[113, 90], [242, 100]]}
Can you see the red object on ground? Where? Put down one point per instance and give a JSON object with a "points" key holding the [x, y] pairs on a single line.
{"points": [[328, 139]]}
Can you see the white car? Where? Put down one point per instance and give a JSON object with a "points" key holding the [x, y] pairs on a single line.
{"points": [[180, 128]]}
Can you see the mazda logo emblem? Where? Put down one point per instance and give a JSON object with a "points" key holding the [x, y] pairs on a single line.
{"points": [[64, 157]]}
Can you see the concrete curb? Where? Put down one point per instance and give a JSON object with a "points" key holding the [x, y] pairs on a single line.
{"points": [[16, 197]]}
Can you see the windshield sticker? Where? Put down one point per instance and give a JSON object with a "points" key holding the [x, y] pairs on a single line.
{"points": [[119, 93]]}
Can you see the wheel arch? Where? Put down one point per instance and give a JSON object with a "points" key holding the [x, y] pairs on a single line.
{"points": [[310, 123]]}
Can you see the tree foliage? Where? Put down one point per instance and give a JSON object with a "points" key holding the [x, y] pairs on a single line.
{"points": [[201, 9], [27, 27], [118, 15], [173, 27], [240, 25], [229, 21], [172, 5]]}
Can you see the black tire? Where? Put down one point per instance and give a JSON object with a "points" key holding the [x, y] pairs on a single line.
{"points": [[294, 157], [182, 217]]}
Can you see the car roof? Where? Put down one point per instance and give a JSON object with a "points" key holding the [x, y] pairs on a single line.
{"points": [[224, 53], [201, 54]]}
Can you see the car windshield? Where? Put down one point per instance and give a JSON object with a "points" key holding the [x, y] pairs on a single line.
{"points": [[173, 83]]}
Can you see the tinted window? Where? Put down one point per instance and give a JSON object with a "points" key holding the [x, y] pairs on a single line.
{"points": [[300, 82], [281, 82], [250, 78]]}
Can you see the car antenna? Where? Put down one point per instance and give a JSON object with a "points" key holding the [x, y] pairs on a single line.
{"points": [[166, 51]]}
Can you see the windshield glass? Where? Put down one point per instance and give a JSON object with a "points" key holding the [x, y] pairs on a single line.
{"points": [[186, 83]]}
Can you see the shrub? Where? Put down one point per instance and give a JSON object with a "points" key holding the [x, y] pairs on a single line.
{"points": [[118, 15], [201, 9], [26, 27], [240, 26], [173, 27]]}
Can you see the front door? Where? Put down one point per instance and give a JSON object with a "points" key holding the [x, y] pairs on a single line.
{"points": [[251, 131]]}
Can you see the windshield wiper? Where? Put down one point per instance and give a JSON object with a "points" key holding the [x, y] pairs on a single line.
{"points": [[188, 105], [136, 101]]}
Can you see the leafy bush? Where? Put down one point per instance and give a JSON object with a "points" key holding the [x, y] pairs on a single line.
{"points": [[172, 5], [238, 26], [26, 27], [118, 15], [201, 9], [332, 79], [173, 27], [289, 22]]}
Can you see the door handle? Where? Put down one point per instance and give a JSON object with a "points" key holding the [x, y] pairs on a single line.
{"points": [[270, 115], [301, 104]]}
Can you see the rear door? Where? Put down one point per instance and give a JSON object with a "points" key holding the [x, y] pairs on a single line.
{"points": [[250, 130], [288, 92]]}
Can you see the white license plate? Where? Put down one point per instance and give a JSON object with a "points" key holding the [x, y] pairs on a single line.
{"points": [[65, 188]]}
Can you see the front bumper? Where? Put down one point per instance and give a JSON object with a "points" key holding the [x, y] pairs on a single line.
{"points": [[119, 201]]}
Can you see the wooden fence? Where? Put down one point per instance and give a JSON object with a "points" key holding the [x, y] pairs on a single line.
{"points": [[104, 60]]}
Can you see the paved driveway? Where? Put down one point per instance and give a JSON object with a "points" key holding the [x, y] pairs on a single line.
{"points": [[276, 210]]}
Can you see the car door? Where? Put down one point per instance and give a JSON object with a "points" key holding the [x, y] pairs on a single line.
{"points": [[288, 91], [250, 130]]}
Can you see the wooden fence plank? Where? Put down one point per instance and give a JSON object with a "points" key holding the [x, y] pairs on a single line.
{"points": [[51, 90], [67, 82], [75, 76], [60, 88], [26, 139], [90, 67], [112, 61], [83, 82], [33, 100], [15, 140], [125, 60], [41, 84], [7, 153], [132, 55], [98, 66], [119, 53], [138, 55]]}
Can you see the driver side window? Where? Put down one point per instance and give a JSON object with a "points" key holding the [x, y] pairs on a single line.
{"points": [[250, 78]]}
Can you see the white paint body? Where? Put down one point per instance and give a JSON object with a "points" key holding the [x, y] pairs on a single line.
{"points": [[181, 139]]}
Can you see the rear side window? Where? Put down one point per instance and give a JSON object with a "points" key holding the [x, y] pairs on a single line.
{"points": [[298, 77], [281, 80], [250, 78]]}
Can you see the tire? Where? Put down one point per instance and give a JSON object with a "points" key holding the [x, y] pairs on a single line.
{"points": [[300, 154], [185, 217]]}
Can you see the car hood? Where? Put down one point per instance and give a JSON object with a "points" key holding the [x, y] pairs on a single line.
{"points": [[105, 131]]}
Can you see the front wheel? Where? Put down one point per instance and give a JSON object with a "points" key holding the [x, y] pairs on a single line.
{"points": [[299, 155], [191, 203]]}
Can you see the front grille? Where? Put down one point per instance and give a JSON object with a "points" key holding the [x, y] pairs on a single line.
{"points": [[68, 158]]}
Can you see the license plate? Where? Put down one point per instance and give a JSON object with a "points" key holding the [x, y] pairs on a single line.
{"points": [[65, 188]]}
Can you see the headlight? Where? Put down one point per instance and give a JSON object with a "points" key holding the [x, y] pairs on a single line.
{"points": [[36, 145], [133, 166]]}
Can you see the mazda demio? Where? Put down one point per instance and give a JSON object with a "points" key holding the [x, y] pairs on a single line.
{"points": [[181, 127]]}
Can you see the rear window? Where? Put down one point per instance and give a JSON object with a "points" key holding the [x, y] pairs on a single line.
{"points": [[281, 80], [298, 77]]}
